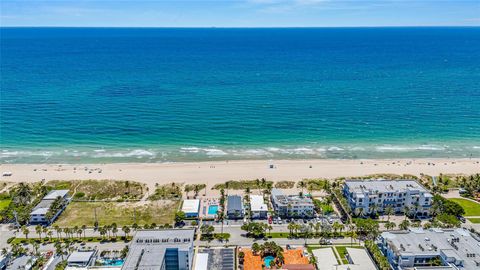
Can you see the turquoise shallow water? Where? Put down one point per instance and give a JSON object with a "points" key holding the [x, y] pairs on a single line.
{"points": [[157, 95]]}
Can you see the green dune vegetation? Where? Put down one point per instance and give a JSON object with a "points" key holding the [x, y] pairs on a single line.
{"points": [[172, 191], [244, 184], [95, 190]]}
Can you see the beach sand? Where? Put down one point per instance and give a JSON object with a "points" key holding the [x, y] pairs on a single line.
{"points": [[212, 173]]}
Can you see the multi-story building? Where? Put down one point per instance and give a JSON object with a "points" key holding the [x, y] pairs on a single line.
{"points": [[292, 206], [258, 207], [39, 214], [235, 207], [375, 196], [441, 248], [160, 250]]}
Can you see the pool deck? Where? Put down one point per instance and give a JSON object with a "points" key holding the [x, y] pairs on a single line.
{"points": [[204, 204], [255, 262]]}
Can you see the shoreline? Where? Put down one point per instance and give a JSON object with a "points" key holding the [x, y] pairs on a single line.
{"points": [[213, 172]]}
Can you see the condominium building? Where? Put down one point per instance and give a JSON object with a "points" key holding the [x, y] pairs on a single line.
{"points": [[370, 196], [160, 250], [422, 249], [39, 214], [291, 206]]}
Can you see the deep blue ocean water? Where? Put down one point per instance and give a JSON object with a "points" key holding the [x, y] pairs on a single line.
{"points": [[156, 95]]}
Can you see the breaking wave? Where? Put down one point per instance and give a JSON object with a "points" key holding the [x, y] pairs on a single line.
{"points": [[198, 153]]}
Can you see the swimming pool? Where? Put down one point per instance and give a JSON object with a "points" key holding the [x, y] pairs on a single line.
{"points": [[113, 262], [212, 209], [267, 261]]}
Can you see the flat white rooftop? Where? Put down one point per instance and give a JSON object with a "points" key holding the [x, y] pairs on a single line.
{"points": [[326, 259], [191, 206], [383, 186], [52, 195], [80, 256], [360, 258], [201, 261], [420, 242], [257, 203]]}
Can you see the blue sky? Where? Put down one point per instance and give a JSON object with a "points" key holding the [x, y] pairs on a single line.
{"points": [[240, 13]]}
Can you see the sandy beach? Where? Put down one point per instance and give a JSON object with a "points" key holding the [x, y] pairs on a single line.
{"points": [[217, 172]]}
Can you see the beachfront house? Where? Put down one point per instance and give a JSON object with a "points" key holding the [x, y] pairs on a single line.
{"points": [[235, 208], [292, 206], [258, 207], [161, 249], [50, 207], [191, 208], [443, 248], [375, 196]]}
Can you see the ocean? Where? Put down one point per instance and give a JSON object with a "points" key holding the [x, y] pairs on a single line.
{"points": [[97, 95]]}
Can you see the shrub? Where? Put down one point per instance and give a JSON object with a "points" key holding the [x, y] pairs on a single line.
{"points": [[79, 195]]}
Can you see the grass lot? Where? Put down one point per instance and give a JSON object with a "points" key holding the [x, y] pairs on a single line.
{"points": [[83, 213], [4, 203], [278, 235], [474, 220], [471, 208]]}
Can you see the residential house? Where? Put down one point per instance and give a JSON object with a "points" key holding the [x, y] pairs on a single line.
{"points": [[258, 207], [235, 208]]}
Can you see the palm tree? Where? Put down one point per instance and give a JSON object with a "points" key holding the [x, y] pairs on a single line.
{"points": [[389, 211], [126, 230], [317, 228], [84, 228], [311, 226], [336, 227], [114, 231], [359, 211], [25, 231], [354, 237], [35, 246], [302, 185], [45, 230], [196, 189], [389, 225], [255, 248], [404, 225], [58, 230], [38, 230], [291, 227], [406, 211], [135, 226]]}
